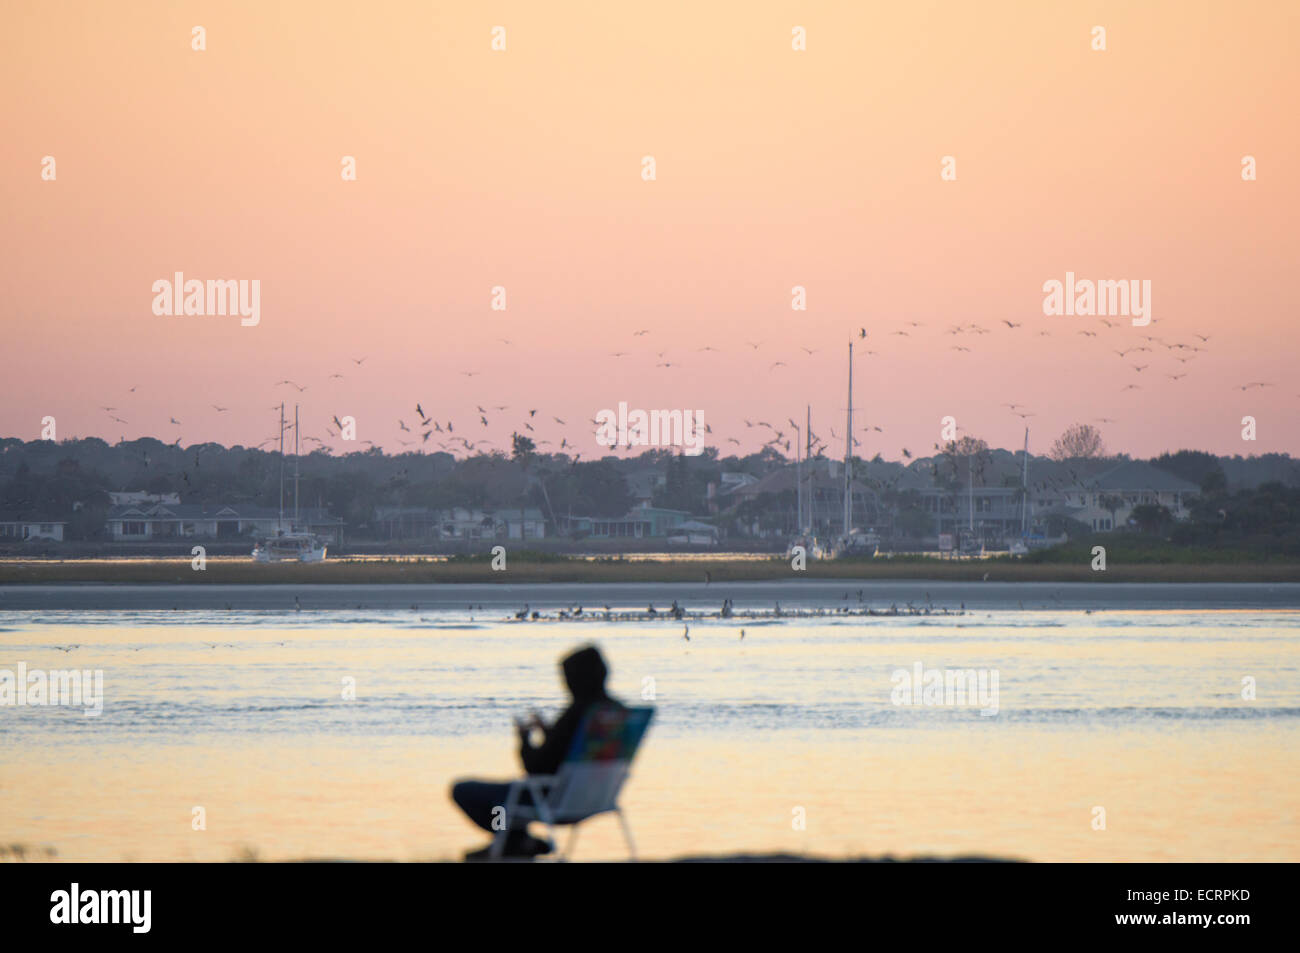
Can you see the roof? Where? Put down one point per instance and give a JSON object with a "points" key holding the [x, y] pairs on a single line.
{"points": [[964, 491], [505, 514], [784, 479], [212, 511], [1139, 475]]}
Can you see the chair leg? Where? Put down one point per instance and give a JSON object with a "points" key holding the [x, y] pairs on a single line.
{"points": [[498, 844], [627, 834], [543, 808], [499, 841], [573, 839]]}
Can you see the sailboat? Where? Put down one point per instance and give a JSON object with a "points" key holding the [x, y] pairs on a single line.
{"points": [[805, 539], [854, 542], [1021, 546], [293, 546]]}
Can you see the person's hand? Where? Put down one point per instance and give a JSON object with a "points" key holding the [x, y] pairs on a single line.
{"points": [[525, 727]]}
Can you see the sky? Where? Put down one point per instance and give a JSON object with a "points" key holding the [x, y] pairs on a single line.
{"points": [[774, 168]]}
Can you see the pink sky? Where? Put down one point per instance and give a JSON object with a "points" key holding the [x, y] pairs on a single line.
{"points": [[776, 168]]}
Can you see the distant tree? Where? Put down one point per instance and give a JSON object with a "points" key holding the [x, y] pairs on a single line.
{"points": [[1214, 483], [1195, 466], [1151, 518], [1112, 503], [962, 460], [522, 448], [1079, 442], [682, 489]]}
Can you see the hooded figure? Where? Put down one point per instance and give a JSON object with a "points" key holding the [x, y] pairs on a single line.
{"points": [[584, 673], [482, 801]]}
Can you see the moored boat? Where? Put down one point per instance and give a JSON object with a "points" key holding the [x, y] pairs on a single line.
{"points": [[291, 547]]}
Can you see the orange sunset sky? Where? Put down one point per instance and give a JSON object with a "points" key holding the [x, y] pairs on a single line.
{"points": [[522, 168]]}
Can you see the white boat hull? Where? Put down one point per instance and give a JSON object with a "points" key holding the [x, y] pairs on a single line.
{"points": [[289, 549]]}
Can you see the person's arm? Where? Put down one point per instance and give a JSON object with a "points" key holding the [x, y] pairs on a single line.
{"points": [[525, 728], [546, 757]]}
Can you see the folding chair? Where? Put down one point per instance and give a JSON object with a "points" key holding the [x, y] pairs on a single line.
{"points": [[588, 782]]}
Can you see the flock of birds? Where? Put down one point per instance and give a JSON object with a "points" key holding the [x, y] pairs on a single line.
{"points": [[679, 613], [1149, 358]]}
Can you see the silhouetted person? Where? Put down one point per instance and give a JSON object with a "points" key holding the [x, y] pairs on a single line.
{"points": [[584, 673]]}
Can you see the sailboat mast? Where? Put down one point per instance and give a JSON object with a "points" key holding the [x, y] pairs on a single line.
{"points": [[295, 468], [280, 524], [798, 489], [1024, 490], [807, 455], [848, 452], [970, 496]]}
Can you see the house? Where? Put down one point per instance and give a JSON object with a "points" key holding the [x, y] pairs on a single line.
{"points": [[459, 522], [641, 522], [405, 522], [822, 484], [13, 530], [138, 497], [1106, 500], [991, 513], [643, 484], [719, 495], [520, 523], [154, 521]]}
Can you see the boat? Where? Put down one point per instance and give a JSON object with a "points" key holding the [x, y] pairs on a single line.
{"points": [[694, 533], [852, 543], [858, 543], [295, 545], [289, 547], [1020, 547], [811, 545]]}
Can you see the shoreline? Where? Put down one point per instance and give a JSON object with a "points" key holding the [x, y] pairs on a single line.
{"points": [[754, 602], [416, 571]]}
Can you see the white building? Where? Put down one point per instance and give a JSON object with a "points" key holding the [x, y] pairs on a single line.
{"points": [[11, 530], [1106, 501], [149, 521], [140, 497], [459, 522]]}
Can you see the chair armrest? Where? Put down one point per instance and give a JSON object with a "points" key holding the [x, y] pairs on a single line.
{"points": [[534, 780]]}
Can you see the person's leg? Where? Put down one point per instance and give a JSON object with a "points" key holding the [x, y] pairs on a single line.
{"points": [[479, 800]]}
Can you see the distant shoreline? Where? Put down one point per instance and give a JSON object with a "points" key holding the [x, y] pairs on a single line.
{"points": [[407, 570]]}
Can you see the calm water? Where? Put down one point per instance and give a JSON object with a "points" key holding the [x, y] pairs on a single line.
{"points": [[240, 712]]}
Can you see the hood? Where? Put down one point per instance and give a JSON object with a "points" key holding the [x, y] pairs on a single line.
{"points": [[584, 671]]}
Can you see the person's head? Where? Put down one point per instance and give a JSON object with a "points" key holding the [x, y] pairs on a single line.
{"points": [[584, 672]]}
